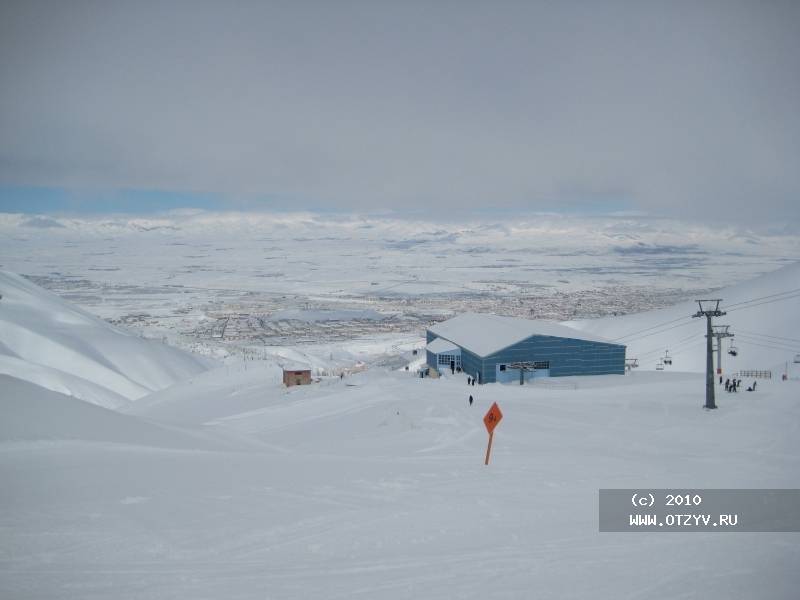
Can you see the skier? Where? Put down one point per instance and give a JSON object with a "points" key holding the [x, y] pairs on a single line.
{"points": [[470, 400], [728, 385], [754, 385], [469, 380]]}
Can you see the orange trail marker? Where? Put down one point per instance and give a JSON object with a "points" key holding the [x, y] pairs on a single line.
{"points": [[491, 419]]}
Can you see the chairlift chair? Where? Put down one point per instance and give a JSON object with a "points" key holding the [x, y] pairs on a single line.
{"points": [[797, 358], [660, 366], [733, 350], [667, 358]]}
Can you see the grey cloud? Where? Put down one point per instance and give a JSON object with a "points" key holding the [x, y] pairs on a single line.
{"points": [[686, 109]]}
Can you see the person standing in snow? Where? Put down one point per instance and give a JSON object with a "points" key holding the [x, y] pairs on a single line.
{"points": [[728, 385], [470, 400], [469, 380], [754, 385]]}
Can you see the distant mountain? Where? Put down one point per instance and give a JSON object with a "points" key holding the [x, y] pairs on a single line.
{"points": [[763, 314], [51, 343]]}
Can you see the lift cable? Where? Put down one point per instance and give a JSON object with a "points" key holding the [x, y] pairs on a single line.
{"points": [[762, 303], [676, 348], [775, 345], [737, 306], [762, 298], [777, 337], [750, 343], [649, 328]]}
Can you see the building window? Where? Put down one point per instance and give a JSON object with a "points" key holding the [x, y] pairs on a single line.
{"points": [[541, 365], [446, 359], [502, 367]]}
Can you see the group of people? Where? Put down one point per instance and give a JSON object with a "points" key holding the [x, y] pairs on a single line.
{"points": [[733, 385], [470, 381]]}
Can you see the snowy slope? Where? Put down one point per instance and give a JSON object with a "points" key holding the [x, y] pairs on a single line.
{"points": [[28, 412], [54, 344], [764, 315], [374, 487]]}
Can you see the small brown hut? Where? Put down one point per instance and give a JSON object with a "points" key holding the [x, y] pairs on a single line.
{"points": [[296, 375]]}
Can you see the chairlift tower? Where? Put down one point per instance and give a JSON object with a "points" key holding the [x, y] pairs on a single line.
{"points": [[709, 309], [720, 332], [523, 367]]}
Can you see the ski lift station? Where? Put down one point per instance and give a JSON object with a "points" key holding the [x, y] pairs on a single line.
{"points": [[492, 349]]}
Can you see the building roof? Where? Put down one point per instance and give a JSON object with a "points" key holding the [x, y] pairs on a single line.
{"points": [[440, 345], [296, 367], [485, 334]]}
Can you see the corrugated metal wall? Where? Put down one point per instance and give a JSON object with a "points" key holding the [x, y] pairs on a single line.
{"points": [[430, 359], [566, 356], [472, 364]]}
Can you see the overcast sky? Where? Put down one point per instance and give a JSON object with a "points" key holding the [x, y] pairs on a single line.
{"points": [[677, 108]]}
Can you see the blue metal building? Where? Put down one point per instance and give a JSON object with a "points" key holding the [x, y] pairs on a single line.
{"points": [[492, 348]]}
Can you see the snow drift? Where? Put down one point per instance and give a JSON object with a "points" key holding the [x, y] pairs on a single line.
{"points": [[51, 343], [28, 412]]}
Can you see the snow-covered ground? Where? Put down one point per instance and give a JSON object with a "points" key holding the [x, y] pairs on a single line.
{"points": [[58, 346], [763, 314], [374, 487], [228, 485]]}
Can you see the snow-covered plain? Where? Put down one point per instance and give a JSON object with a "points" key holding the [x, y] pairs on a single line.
{"points": [[220, 282], [227, 485]]}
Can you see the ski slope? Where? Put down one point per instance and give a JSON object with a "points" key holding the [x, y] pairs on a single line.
{"points": [[54, 344], [763, 314], [374, 487], [30, 412], [228, 485]]}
